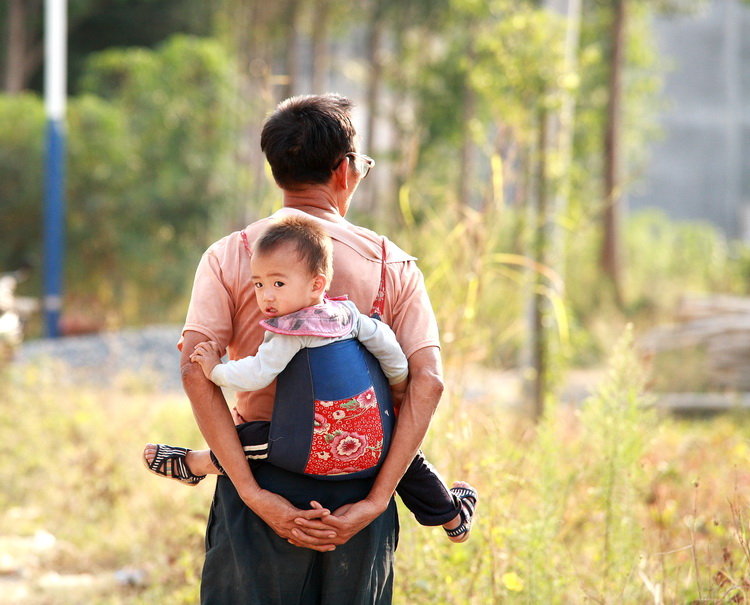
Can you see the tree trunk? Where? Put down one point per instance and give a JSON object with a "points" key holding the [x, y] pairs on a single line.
{"points": [[374, 85], [15, 49], [561, 138], [292, 49], [538, 345], [244, 26], [321, 53], [610, 253], [466, 172]]}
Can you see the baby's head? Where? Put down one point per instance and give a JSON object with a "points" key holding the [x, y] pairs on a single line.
{"points": [[292, 265]]}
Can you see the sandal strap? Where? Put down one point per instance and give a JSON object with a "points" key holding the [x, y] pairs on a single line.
{"points": [[172, 458], [458, 531], [465, 493], [216, 462], [467, 497]]}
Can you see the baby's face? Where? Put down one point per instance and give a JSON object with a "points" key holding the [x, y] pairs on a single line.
{"points": [[282, 283]]}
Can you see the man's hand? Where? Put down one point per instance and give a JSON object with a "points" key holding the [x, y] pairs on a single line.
{"points": [[284, 518], [344, 522]]}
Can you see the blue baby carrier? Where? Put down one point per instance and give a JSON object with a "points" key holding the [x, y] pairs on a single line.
{"points": [[333, 411]]}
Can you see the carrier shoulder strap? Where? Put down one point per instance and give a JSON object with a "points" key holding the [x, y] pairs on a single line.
{"points": [[379, 302]]}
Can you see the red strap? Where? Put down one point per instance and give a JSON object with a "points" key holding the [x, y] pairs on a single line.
{"points": [[379, 302], [245, 242]]}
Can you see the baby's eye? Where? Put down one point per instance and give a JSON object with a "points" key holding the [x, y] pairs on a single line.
{"points": [[278, 284], [258, 285]]}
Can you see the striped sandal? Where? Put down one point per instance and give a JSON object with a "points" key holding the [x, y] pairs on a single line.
{"points": [[170, 462], [467, 497]]}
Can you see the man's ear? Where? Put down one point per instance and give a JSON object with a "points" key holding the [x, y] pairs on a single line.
{"points": [[341, 174], [320, 284]]}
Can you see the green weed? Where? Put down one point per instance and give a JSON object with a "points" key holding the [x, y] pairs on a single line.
{"points": [[604, 502]]}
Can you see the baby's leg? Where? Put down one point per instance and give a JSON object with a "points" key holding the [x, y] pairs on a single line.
{"points": [[428, 497], [254, 439], [199, 463]]}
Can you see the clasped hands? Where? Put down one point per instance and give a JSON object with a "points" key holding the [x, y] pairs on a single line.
{"points": [[316, 528]]}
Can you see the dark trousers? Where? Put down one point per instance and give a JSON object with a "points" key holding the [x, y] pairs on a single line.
{"points": [[247, 563], [421, 489]]}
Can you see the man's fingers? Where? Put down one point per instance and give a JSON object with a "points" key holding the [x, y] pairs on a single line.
{"points": [[317, 547], [313, 534], [314, 513]]}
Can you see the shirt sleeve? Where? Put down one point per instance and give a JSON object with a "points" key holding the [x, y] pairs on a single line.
{"points": [[408, 308], [380, 340], [211, 306], [257, 371]]}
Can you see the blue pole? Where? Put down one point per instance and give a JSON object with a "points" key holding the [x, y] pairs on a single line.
{"points": [[54, 227], [55, 79]]}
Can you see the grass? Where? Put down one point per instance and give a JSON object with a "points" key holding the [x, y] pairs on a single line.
{"points": [[603, 503], [72, 469], [607, 503]]}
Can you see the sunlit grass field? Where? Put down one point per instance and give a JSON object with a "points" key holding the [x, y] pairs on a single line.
{"points": [[606, 502]]}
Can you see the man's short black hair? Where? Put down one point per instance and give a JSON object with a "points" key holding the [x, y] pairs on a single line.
{"points": [[306, 136]]}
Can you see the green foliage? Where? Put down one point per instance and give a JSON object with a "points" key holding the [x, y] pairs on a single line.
{"points": [[149, 177], [505, 56], [21, 160], [175, 105], [476, 287], [668, 258], [616, 424]]}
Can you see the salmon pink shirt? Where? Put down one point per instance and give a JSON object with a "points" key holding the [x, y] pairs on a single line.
{"points": [[223, 306]]}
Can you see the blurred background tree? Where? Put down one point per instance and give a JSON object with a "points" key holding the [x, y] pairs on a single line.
{"points": [[505, 132]]}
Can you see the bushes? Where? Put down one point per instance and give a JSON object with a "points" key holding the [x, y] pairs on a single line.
{"points": [[21, 144], [148, 170]]}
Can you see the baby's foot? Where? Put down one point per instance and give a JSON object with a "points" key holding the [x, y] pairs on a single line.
{"points": [[458, 529], [181, 464]]}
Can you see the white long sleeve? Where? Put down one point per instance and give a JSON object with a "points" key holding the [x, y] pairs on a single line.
{"points": [[381, 341], [257, 371], [277, 350]]}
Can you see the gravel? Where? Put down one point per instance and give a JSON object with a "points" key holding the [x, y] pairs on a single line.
{"points": [[146, 356]]}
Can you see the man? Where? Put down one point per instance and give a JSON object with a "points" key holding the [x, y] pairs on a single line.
{"points": [[278, 537]]}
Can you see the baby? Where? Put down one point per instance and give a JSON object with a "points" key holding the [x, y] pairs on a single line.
{"points": [[291, 268]]}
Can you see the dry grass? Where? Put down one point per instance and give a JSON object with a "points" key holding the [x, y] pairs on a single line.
{"points": [[560, 520]]}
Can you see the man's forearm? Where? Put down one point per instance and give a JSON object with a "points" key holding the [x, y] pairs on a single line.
{"points": [[422, 398], [215, 421]]}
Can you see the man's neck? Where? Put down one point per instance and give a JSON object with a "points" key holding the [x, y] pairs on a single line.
{"points": [[317, 201]]}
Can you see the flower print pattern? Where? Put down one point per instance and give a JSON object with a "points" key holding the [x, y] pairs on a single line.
{"points": [[348, 446], [367, 399], [348, 435], [320, 425]]}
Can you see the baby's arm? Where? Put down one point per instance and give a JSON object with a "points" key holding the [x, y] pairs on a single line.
{"points": [[207, 355], [257, 371], [380, 340]]}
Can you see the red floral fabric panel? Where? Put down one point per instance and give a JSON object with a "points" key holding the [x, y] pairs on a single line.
{"points": [[348, 435]]}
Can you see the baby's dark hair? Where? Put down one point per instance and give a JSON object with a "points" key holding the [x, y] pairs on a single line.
{"points": [[310, 240]]}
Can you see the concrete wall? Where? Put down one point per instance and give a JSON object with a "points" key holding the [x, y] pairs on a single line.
{"points": [[701, 168]]}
